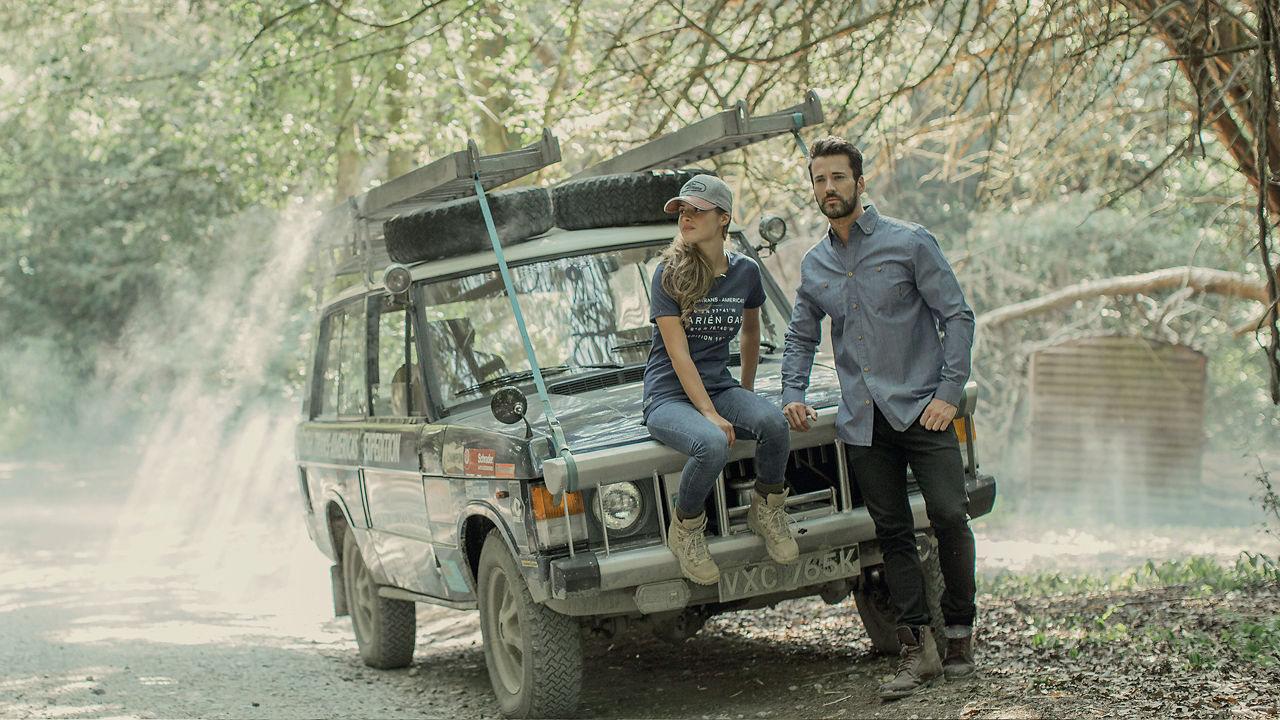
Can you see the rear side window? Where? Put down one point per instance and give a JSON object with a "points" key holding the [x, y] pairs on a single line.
{"points": [[341, 392], [394, 379]]}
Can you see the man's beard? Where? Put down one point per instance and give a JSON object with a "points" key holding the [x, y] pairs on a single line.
{"points": [[844, 207]]}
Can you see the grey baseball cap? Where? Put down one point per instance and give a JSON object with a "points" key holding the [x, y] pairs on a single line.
{"points": [[703, 192]]}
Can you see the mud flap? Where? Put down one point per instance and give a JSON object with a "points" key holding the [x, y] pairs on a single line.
{"points": [[339, 592]]}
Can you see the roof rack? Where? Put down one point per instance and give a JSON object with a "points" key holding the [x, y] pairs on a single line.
{"points": [[724, 131], [349, 238], [452, 177]]}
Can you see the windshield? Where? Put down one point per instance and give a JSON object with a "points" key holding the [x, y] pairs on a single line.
{"points": [[582, 313]]}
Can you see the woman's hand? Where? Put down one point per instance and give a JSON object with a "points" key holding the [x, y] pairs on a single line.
{"points": [[725, 426]]}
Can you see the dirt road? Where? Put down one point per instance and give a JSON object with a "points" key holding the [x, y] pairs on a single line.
{"points": [[120, 597]]}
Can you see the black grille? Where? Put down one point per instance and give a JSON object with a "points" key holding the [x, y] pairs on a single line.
{"points": [[597, 381]]}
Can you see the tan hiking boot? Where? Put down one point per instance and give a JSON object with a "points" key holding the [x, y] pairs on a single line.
{"points": [[918, 664], [768, 519], [685, 539], [958, 663]]}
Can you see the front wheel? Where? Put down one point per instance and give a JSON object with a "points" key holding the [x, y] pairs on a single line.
{"points": [[876, 608], [534, 653], [385, 628]]}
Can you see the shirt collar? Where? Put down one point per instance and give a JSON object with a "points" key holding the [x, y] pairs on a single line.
{"points": [[868, 219], [866, 222]]}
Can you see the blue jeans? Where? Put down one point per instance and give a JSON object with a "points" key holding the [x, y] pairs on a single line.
{"points": [[679, 426]]}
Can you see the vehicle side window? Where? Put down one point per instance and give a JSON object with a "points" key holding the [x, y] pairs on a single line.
{"points": [[394, 382], [342, 392]]}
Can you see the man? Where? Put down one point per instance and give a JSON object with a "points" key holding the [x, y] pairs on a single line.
{"points": [[902, 335]]}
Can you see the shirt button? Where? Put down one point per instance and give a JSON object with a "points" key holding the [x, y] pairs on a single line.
{"points": [[850, 274], [879, 268], [866, 368], [859, 337], [824, 284], [868, 402], [855, 306]]}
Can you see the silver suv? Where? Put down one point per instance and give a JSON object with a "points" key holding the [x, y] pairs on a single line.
{"points": [[472, 432]]}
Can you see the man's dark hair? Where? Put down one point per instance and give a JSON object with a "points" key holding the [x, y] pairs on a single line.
{"points": [[832, 145]]}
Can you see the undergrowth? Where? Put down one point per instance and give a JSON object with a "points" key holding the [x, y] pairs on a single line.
{"points": [[1192, 614]]}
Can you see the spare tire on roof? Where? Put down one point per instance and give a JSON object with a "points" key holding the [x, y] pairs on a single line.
{"points": [[457, 227], [624, 199]]}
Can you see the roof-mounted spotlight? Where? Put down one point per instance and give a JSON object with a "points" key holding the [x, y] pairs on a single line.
{"points": [[772, 230], [396, 278]]}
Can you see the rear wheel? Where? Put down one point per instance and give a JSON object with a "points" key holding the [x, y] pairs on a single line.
{"points": [[879, 616], [534, 653], [385, 628]]}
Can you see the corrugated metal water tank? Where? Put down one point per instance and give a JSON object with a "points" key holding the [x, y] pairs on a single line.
{"points": [[1117, 428]]}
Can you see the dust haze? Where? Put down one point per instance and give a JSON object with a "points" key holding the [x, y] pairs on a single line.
{"points": [[166, 489]]}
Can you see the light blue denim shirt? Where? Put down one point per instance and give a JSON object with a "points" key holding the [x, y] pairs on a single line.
{"points": [[900, 327]]}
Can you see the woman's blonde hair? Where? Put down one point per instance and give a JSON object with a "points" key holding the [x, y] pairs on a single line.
{"points": [[687, 276]]}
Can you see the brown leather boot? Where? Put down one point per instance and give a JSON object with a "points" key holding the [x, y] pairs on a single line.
{"points": [[958, 663], [918, 663]]}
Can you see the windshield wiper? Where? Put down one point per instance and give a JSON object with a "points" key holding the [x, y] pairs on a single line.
{"points": [[520, 376], [630, 345]]}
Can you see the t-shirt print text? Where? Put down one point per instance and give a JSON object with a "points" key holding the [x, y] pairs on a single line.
{"points": [[716, 319]]}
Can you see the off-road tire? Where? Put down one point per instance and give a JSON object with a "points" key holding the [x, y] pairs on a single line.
{"points": [[534, 654], [458, 228], [385, 629], [878, 613], [612, 200]]}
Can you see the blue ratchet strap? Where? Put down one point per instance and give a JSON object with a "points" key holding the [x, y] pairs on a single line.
{"points": [[798, 119], [557, 432]]}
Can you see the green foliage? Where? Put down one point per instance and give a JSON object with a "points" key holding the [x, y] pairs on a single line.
{"points": [[1196, 573], [1218, 634]]}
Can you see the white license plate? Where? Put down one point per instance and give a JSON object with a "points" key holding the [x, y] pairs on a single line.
{"points": [[767, 576]]}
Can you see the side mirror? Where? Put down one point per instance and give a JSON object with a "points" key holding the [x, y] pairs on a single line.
{"points": [[773, 230], [509, 406]]}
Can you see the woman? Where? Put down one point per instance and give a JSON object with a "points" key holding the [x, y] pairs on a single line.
{"points": [[700, 297]]}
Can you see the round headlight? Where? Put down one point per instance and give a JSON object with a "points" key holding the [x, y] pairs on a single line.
{"points": [[622, 506], [772, 228]]}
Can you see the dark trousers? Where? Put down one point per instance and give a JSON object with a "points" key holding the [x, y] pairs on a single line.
{"points": [[881, 474]]}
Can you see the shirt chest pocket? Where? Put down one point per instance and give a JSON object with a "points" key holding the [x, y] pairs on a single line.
{"points": [[893, 287]]}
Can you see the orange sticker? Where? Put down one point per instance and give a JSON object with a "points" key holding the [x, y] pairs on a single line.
{"points": [[505, 470], [478, 462]]}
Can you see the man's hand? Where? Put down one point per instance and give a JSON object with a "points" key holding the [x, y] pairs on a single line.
{"points": [[798, 415], [938, 415]]}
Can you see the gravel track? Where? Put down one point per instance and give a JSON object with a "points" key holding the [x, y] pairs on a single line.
{"points": [[115, 605]]}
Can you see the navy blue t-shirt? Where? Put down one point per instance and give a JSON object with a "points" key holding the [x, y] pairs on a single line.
{"points": [[712, 325]]}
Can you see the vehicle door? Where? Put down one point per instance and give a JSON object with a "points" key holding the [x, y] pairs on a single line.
{"points": [[394, 492]]}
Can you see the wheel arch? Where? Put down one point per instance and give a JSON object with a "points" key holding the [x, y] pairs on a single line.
{"points": [[478, 519], [338, 521]]}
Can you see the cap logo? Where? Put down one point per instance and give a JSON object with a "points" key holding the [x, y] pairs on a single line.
{"points": [[694, 186]]}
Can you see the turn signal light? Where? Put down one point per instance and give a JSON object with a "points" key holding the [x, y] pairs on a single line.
{"points": [[545, 506]]}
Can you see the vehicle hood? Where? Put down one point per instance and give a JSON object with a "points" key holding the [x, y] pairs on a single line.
{"points": [[612, 416]]}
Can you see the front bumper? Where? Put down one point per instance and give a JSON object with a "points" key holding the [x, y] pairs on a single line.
{"points": [[648, 580]]}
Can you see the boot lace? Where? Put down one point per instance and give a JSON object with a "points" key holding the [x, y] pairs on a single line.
{"points": [[777, 524], [695, 547], [906, 660]]}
